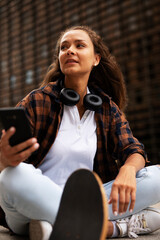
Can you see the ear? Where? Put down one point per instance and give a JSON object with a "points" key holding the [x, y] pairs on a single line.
{"points": [[97, 59]]}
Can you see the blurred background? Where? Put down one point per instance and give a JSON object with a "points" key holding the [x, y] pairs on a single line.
{"points": [[131, 29]]}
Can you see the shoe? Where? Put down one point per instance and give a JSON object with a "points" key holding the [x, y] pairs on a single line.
{"points": [[39, 230], [83, 209], [144, 222]]}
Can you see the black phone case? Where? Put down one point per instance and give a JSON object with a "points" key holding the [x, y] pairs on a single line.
{"points": [[15, 117]]}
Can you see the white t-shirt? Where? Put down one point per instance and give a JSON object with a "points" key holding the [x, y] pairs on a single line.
{"points": [[74, 147]]}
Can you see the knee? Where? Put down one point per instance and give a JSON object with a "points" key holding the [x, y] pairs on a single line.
{"points": [[8, 177], [154, 176], [154, 173], [12, 178]]}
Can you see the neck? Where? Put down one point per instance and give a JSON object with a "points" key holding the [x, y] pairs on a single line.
{"points": [[80, 86], [77, 84]]}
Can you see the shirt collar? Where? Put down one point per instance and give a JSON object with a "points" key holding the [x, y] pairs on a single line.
{"points": [[52, 89]]}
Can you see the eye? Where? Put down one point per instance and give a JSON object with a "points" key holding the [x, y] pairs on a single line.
{"points": [[63, 47], [80, 45]]}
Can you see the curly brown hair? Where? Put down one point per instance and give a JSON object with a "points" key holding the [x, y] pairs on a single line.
{"points": [[107, 74]]}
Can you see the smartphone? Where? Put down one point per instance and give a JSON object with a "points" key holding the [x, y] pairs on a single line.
{"points": [[15, 117]]}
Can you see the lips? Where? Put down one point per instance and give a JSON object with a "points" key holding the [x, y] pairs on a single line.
{"points": [[71, 61]]}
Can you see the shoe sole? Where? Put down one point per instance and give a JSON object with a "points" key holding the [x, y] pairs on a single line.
{"points": [[83, 212]]}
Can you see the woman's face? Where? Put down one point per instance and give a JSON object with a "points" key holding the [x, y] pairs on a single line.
{"points": [[77, 56]]}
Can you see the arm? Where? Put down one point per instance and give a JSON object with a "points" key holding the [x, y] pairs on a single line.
{"points": [[136, 161], [132, 157]]}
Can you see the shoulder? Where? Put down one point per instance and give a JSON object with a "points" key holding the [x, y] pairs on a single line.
{"points": [[115, 113], [39, 96], [31, 99], [106, 99]]}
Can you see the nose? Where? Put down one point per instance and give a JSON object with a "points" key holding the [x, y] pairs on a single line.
{"points": [[70, 51]]}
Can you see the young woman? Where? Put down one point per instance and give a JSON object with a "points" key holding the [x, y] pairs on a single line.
{"points": [[77, 121]]}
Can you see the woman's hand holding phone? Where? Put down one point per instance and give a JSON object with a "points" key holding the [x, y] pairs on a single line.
{"points": [[13, 155]]}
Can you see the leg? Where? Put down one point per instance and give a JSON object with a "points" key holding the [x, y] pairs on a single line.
{"points": [[148, 193], [148, 190], [27, 194]]}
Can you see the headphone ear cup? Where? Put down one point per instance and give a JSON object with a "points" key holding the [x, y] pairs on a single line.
{"points": [[92, 102], [69, 97]]}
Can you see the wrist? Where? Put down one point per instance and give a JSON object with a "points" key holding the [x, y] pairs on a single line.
{"points": [[130, 168], [135, 161]]}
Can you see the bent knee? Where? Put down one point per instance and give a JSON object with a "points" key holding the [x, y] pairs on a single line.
{"points": [[8, 177], [154, 176], [12, 177]]}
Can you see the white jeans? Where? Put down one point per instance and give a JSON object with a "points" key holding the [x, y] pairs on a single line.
{"points": [[148, 190], [26, 194]]}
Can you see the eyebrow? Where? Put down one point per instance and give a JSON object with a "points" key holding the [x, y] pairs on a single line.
{"points": [[77, 40]]}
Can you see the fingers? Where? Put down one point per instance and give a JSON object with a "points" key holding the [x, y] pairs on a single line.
{"points": [[121, 197], [114, 199], [122, 201], [22, 146], [133, 200], [23, 155], [127, 200], [13, 155], [3, 132], [7, 134]]}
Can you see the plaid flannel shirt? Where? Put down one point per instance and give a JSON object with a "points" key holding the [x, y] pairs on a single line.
{"points": [[115, 141]]}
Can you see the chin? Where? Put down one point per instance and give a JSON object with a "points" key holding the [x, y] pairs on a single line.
{"points": [[70, 72]]}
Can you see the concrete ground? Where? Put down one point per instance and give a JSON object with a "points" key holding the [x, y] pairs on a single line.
{"points": [[5, 234]]}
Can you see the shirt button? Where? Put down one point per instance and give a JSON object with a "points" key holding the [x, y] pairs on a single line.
{"points": [[79, 127]]}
